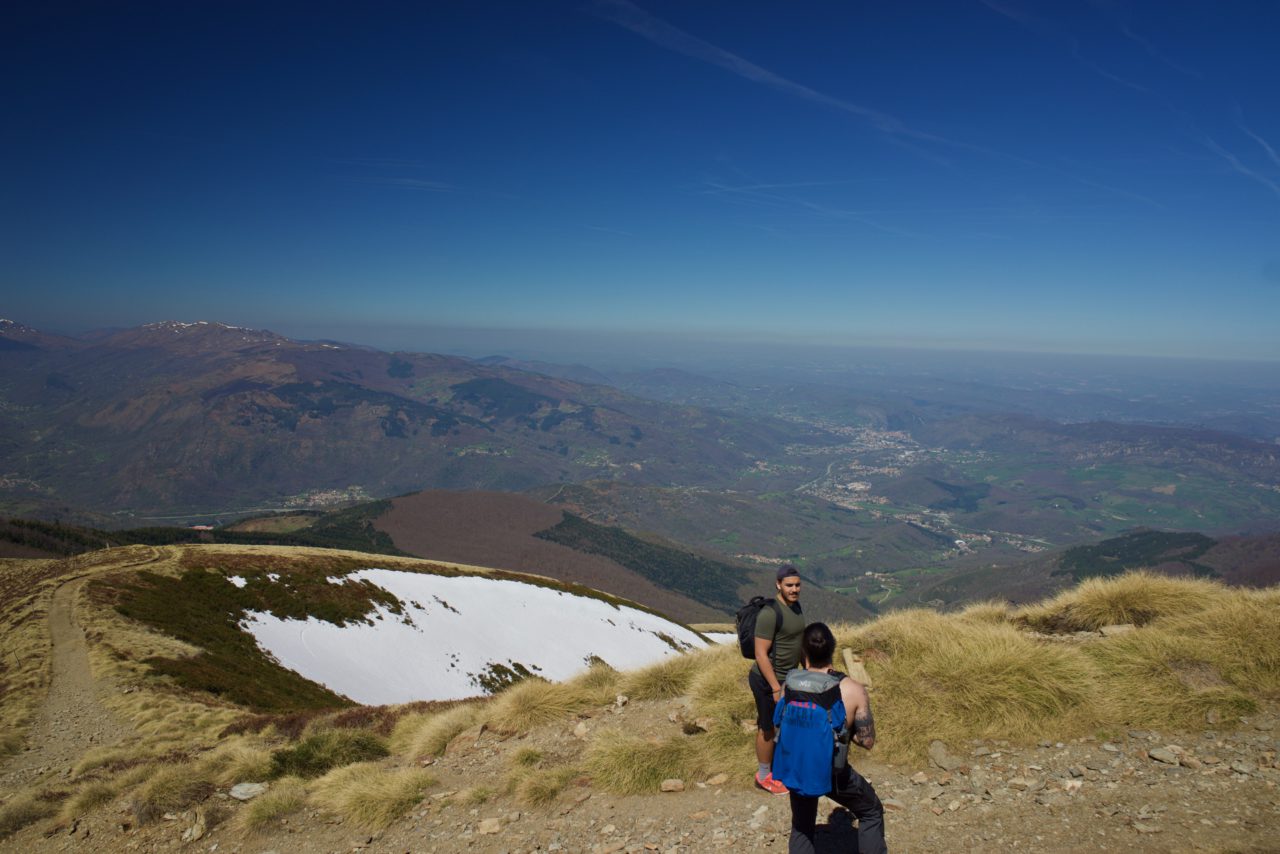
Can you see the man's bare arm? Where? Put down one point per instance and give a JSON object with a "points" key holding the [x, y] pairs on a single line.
{"points": [[763, 645], [857, 704]]}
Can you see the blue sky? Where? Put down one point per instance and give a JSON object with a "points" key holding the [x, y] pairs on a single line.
{"points": [[1095, 177]]}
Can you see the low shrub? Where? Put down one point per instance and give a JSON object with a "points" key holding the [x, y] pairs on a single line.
{"points": [[322, 751]]}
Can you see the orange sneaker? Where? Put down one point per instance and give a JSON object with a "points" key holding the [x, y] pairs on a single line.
{"points": [[770, 785]]}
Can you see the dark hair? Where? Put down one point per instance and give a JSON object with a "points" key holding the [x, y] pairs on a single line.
{"points": [[787, 570], [818, 644]]}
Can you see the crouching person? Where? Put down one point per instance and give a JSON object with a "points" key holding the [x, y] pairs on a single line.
{"points": [[821, 707]]}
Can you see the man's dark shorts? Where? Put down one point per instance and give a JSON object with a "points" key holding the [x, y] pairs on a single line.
{"points": [[764, 700]]}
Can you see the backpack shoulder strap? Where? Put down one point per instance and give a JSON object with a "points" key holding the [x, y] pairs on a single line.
{"points": [[777, 627]]}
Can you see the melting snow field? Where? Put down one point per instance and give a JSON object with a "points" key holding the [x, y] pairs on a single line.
{"points": [[454, 628]]}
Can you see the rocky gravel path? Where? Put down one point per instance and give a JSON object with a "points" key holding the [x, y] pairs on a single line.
{"points": [[1213, 790], [73, 719]]}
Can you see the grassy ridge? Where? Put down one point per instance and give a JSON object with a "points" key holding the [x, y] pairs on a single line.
{"points": [[344, 529], [202, 608], [705, 580]]}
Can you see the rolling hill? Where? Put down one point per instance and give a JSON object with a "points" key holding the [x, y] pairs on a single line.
{"points": [[195, 420], [1244, 561]]}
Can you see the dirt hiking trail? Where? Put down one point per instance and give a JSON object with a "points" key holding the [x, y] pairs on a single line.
{"points": [[73, 719]]}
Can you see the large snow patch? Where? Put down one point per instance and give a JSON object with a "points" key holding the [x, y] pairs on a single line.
{"points": [[455, 629]]}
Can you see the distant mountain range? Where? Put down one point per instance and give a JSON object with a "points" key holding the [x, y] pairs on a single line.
{"points": [[845, 474], [181, 419]]}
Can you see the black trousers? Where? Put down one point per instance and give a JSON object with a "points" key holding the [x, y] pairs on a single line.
{"points": [[851, 791]]}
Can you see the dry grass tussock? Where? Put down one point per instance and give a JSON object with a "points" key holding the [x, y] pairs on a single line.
{"points": [[719, 687], [90, 796], [429, 733], [1172, 672], [537, 787], [991, 611], [625, 763], [171, 788], [22, 810], [535, 779], [371, 795], [954, 679], [239, 760], [670, 677], [535, 702], [1200, 646], [286, 795], [1135, 597]]}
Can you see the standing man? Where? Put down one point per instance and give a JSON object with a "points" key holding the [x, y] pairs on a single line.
{"points": [[778, 633]]}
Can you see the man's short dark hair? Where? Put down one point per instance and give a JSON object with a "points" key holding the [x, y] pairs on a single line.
{"points": [[787, 570], [818, 644]]}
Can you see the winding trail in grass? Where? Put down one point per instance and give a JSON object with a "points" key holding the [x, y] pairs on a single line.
{"points": [[73, 718]]}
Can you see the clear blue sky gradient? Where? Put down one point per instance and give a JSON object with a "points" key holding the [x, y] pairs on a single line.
{"points": [[1097, 177]]}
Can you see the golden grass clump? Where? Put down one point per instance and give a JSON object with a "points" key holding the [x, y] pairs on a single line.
{"points": [[527, 756], [1178, 668], [428, 734], [990, 611], [670, 677], [954, 680], [1134, 597], [599, 684], [535, 702], [26, 591], [475, 796], [239, 760], [630, 765], [371, 795], [1242, 634], [171, 788], [1160, 679], [135, 776], [24, 810], [117, 755], [719, 687], [286, 795], [537, 788], [89, 797]]}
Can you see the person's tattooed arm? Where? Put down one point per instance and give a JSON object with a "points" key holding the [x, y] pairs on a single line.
{"points": [[864, 727]]}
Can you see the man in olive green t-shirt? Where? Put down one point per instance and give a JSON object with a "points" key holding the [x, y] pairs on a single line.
{"points": [[777, 653]]}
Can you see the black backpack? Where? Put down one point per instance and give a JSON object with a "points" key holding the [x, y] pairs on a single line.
{"points": [[745, 620]]}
